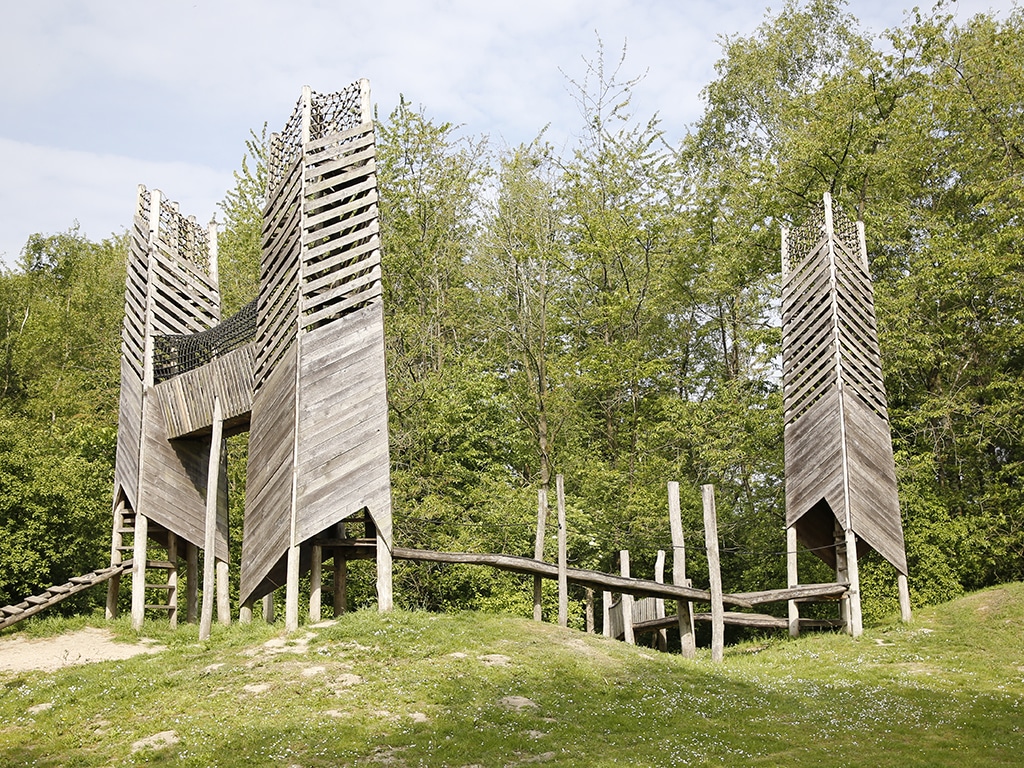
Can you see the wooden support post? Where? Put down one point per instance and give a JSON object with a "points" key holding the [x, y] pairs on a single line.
{"points": [[245, 613], [606, 614], [715, 573], [139, 571], [563, 581], [853, 571], [684, 608], [339, 585], [268, 608], [116, 542], [172, 579], [291, 590], [316, 579], [659, 602], [904, 588], [538, 552], [626, 601], [792, 580], [210, 531], [223, 593], [385, 598], [191, 582], [590, 610]]}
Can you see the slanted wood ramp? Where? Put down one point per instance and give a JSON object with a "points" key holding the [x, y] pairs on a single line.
{"points": [[30, 606]]}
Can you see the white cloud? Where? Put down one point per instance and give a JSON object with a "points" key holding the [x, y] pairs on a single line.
{"points": [[48, 190]]}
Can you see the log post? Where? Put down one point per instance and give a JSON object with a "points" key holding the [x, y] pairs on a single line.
{"points": [[223, 593], [172, 579], [316, 579], [340, 581], [590, 610], [563, 581], [684, 608], [904, 588], [291, 590], [268, 608], [659, 602], [853, 571], [715, 574], [626, 601], [210, 532], [116, 542], [792, 580], [538, 552], [606, 613], [245, 613], [139, 571], [191, 582], [385, 599]]}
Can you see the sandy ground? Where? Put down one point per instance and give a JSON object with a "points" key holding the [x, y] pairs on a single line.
{"points": [[21, 654]]}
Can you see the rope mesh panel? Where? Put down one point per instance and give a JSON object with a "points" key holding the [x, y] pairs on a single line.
{"points": [[176, 354]]}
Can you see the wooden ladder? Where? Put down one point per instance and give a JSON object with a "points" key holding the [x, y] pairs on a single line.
{"points": [[12, 614], [161, 591]]}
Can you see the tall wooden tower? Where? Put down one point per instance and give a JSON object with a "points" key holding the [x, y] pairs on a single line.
{"points": [[840, 475]]}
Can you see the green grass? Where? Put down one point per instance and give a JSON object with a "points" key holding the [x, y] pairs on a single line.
{"points": [[411, 689]]}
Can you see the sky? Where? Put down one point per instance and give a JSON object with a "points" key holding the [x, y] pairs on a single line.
{"points": [[97, 97]]}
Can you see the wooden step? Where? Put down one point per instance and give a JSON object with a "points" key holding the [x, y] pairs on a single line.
{"points": [[160, 607], [37, 600], [59, 590], [160, 586], [83, 579], [12, 610], [161, 565]]}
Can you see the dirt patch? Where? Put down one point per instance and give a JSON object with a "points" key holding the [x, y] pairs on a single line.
{"points": [[48, 654]]}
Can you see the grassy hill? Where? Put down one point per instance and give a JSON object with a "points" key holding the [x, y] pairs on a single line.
{"points": [[412, 689]]}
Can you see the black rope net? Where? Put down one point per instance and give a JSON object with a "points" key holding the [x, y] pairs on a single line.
{"points": [[176, 354]]}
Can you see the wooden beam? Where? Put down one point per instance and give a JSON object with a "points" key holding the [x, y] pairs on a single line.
{"points": [[684, 608], [587, 578], [210, 531], [792, 579], [538, 552], [627, 601], [800, 592], [139, 571]]}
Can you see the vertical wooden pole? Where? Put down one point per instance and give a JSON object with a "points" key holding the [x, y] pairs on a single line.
{"points": [[904, 588], [590, 610], [659, 603], [172, 579], [684, 608], [223, 593], [210, 532], [563, 578], [842, 575], [268, 608], [856, 619], [340, 582], [626, 603], [715, 573], [291, 590], [191, 582], [538, 552], [316, 579], [792, 580], [139, 571], [385, 599], [245, 613], [606, 614], [116, 542]]}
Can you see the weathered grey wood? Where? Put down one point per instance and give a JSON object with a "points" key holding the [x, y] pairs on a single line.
{"points": [[12, 614], [838, 448], [626, 600], [606, 604], [798, 592], [316, 579], [116, 542], [223, 593], [538, 552], [737, 619], [563, 582], [291, 593], [268, 608], [792, 579], [191, 582], [172, 579], [139, 571], [659, 604], [714, 573], [589, 610], [586, 578], [684, 609], [210, 533]]}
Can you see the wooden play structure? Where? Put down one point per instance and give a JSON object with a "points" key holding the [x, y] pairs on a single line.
{"points": [[301, 368], [840, 474]]}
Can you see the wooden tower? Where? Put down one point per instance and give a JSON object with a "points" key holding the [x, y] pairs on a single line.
{"points": [[160, 485], [318, 448], [301, 368], [840, 475]]}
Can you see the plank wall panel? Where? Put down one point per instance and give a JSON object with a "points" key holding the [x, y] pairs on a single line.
{"points": [[268, 501], [186, 400]]}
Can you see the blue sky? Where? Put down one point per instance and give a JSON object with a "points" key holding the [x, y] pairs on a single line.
{"points": [[99, 96]]}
